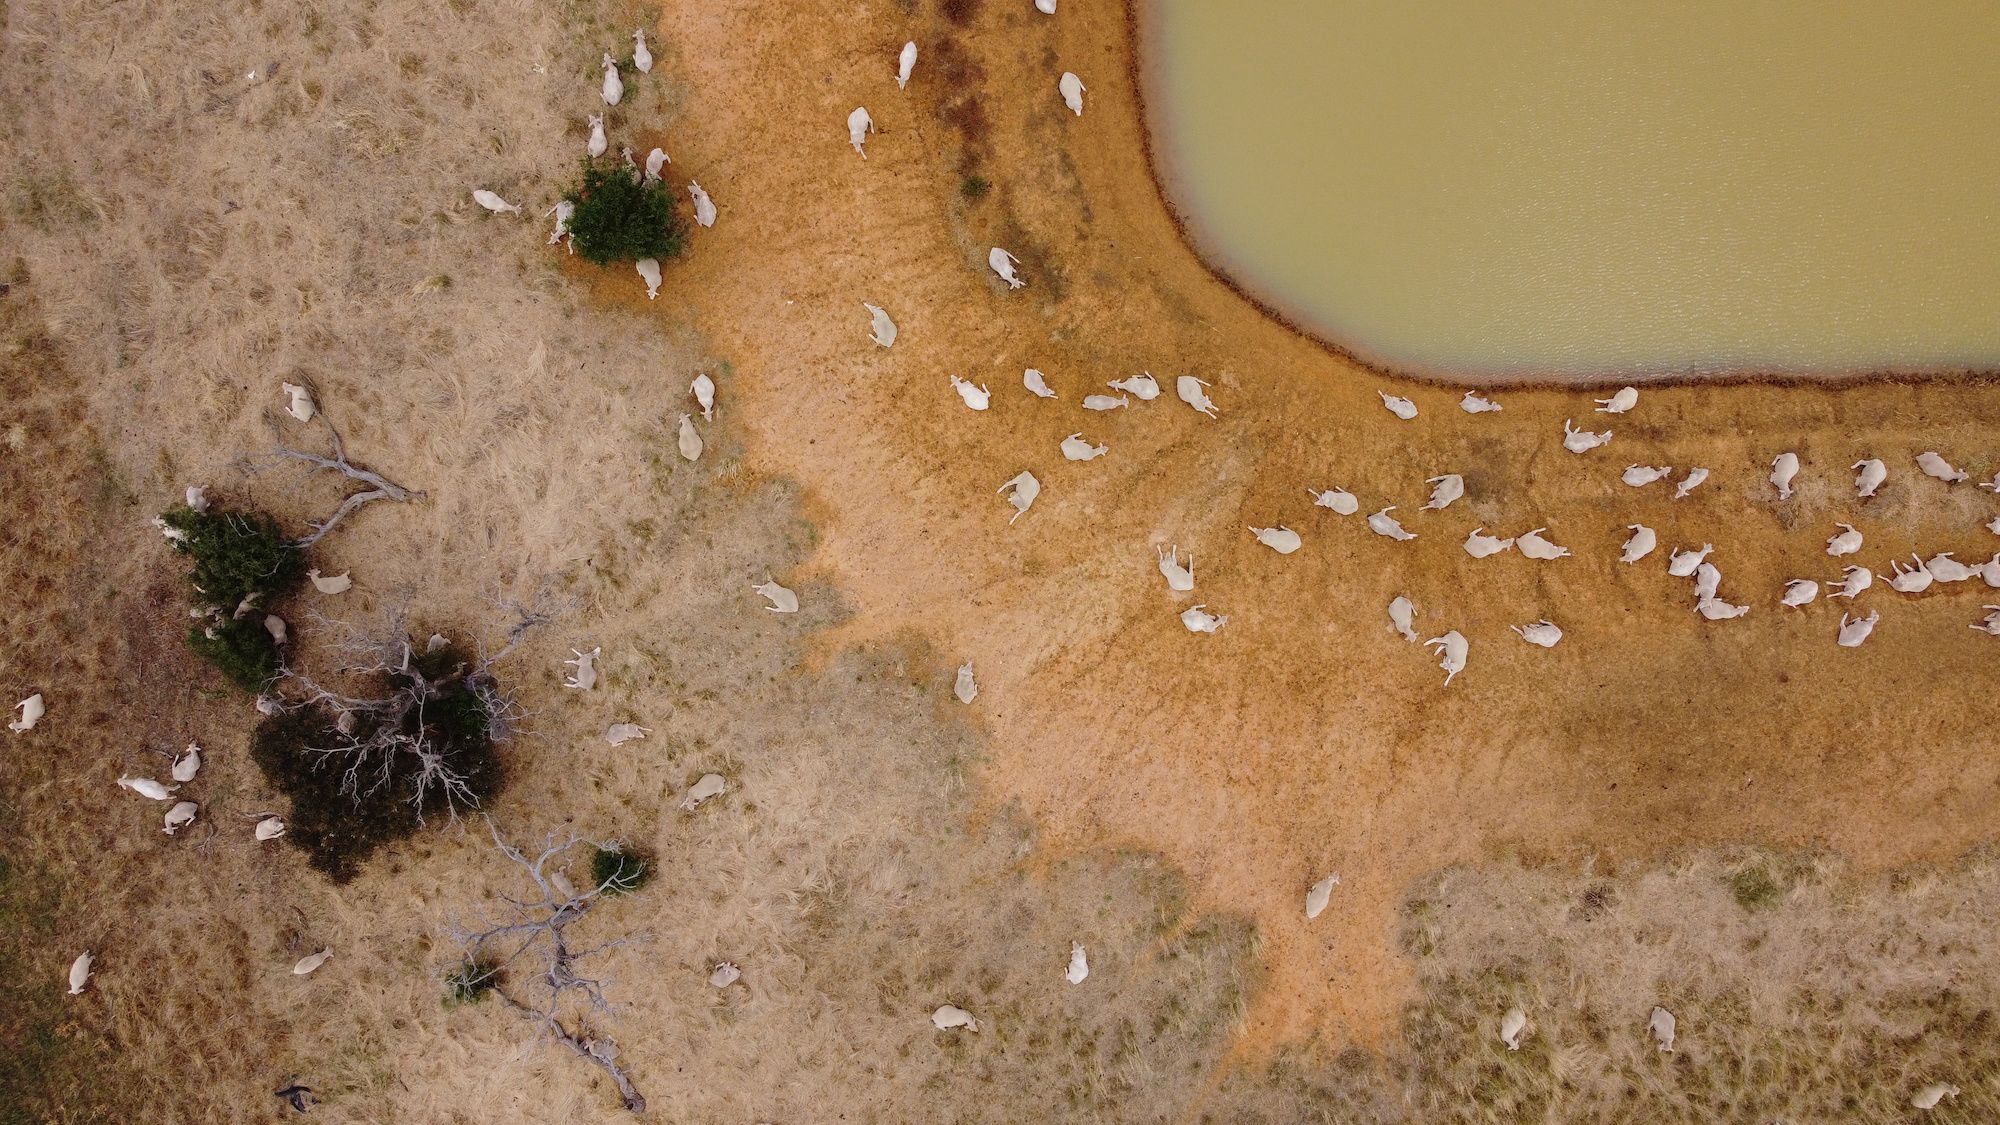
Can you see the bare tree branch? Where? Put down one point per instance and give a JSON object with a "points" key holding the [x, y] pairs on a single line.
{"points": [[379, 486]]}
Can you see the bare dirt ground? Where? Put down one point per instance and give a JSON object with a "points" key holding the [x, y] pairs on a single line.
{"points": [[1557, 829]]}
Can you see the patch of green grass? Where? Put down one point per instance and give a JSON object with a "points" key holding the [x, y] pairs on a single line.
{"points": [[974, 188], [1755, 888], [470, 981]]}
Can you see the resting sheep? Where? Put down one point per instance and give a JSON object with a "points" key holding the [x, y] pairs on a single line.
{"points": [[704, 207], [1197, 619], [703, 389], [1639, 544], [32, 709], [1142, 386], [618, 734], [492, 202], [906, 61], [1852, 633], [649, 272], [709, 785], [1480, 546], [1386, 525], [1071, 88], [1582, 441], [1783, 469], [1002, 263], [1190, 390], [1534, 546], [782, 600], [1639, 476], [689, 442], [1511, 1026], [1398, 405], [79, 972], [642, 57], [1690, 482], [974, 397], [597, 143], [1542, 634], [1105, 402], [330, 584], [1403, 618], [1682, 564], [964, 686], [1449, 487], [1857, 579], [614, 87], [1020, 492], [1936, 466], [1280, 539], [1844, 543], [1179, 578], [1870, 477], [859, 125], [1800, 591], [1914, 580], [1319, 894], [1074, 448], [311, 962], [1079, 964], [180, 816], [1625, 399], [1341, 501], [1452, 648], [1474, 404], [950, 1017], [299, 402], [880, 328], [1037, 385]]}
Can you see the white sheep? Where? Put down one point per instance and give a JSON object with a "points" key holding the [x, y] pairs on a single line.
{"points": [[1078, 969], [268, 828], [1341, 501], [563, 211], [1714, 609], [1870, 477], [1037, 384], [1142, 386], [1844, 543], [1799, 591], [1990, 572], [1639, 476], [492, 202], [782, 600], [1452, 648], [187, 765], [79, 972], [1449, 487], [1639, 544], [299, 401], [1913, 580], [614, 87], [1074, 448], [1319, 894], [147, 787], [1480, 545], [656, 160], [1280, 539], [1398, 405], [1624, 399], [1071, 88], [330, 583], [1929, 1097], [1474, 404], [1936, 466], [704, 207], [1852, 633], [706, 787], [1543, 633], [1582, 441], [1197, 619], [1855, 580], [1990, 625], [689, 441], [1682, 564], [585, 676], [642, 56], [1534, 546], [180, 816], [1386, 525], [1707, 580], [1663, 1027], [906, 61], [1511, 1026], [1046, 7], [32, 709], [974, 397], [1179, 578], [1947, 569], [597, 143], [950, 1017], [1020, 492], [1002, 263], [1403, 618], [197, 497], [724, 974], [311, 962], [649, 272], [703, 389], [1993, 525], [1690, 483], [859, 125], [964, 686], [881, 329], [1190, 390], [618, 734], [1105, 402], [1784, 467]]}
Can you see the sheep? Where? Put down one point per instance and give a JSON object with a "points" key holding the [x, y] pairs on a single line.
{"points": [[1845, 543], [1799, 591], [707, 786], [1036, 383], [1929, 1097], [299, 402], [704, 207], [1663, 1027], [331, 583], [1142, 386], [1190, 391], [1071, 88], [1990, 572], [1474, 404], [1784, 467], [649, 272], [1639, 544], [1479, 545], [1936, 466], [1855, 580], [1403, 618], [188, 764], [655, 161], [1639, 476], [1582, 441], [1021, 491], [1319, 894], [492, 202], [1511, 1026], [1280, 539], [642, 57], [703, 389], [1947, 569], [1690, 483], [631, 165], [197, 497], [859, 125], [618, 734], [585, 676], [1398, 405], [1993, 525], [782, 600], [311, 962], [597, 143], [964, 686], [950, 1017], [1197, 619], [975, 397], [1074, 448], [1991, 624], [268, 828], [1452, 646], [32, 709], [1105, 402], [1872, 473], [1450, 487], [724, 974], [147, 787], [614, 88], [1002, 263], [1384, 524], [1079, 964], [1707, 579], [1624, 399], [1682, 564], [906, 61], [1714, 609], [1535, 547], [1542, 634], [563, 211], [180, 816], [880, 328], [1341, 501], [1179, 578], [79, 972], [689, 441], [1915, 580], [1852, 633], [1046, 7], [269, 707]]}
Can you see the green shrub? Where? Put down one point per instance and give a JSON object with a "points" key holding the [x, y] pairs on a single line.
{"points": [[471, 980], [236, 554], [618, 871], [241, 648], [618, 220], [1754, 888], [974, 187]]}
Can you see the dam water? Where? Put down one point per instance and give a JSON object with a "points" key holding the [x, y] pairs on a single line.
{"points": [[1573, 189]]}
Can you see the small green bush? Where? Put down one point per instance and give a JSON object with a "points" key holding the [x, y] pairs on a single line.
{"points": [[236, 554], [240, 648], [1754, 888], [974, 187], [471, 980], [618, 871], [618, 220]]}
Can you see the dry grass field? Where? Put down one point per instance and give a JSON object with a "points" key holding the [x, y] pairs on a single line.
{"points": [[1583, 832]]}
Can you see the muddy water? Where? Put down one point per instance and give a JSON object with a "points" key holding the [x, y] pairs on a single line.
{"points": [[1542, 187]]}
